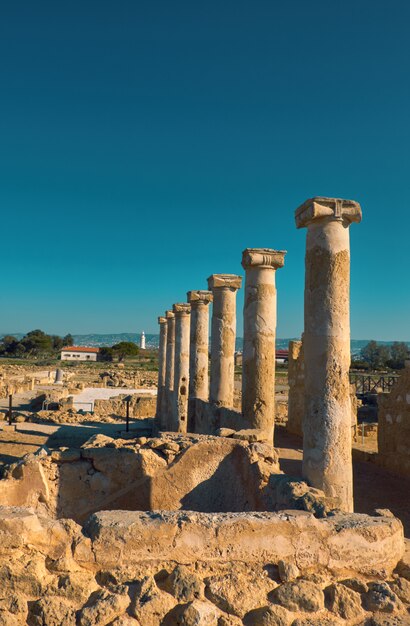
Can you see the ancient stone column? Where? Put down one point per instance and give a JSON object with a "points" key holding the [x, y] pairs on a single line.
{"points": [[224, 288], [327, 443], [162, 355], [198, 352], [259, 334], [169, 371], [181, 371]]}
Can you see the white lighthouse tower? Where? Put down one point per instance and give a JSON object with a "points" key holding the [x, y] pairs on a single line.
{"points": [[142, 341]]}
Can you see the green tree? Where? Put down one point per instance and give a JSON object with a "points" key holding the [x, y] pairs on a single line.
{"points": [[376, 355], [105, 354], [124, 349], [68, 340], [57, 342], [10, 346], [399, 352], [37, 342]]}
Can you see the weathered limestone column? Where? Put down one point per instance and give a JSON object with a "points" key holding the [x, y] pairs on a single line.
{"points": [[327, 445], [198, 352], [259, 334], [162, 354], [224, 288], [169, 371], [181, 371]]}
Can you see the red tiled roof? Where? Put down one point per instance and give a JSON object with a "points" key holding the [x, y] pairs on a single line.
{"points": [[79, 349]]}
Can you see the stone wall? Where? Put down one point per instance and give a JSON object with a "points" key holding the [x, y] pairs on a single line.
{"points": [[170, 472], [168, 568], [141, 406], [394, 427]]}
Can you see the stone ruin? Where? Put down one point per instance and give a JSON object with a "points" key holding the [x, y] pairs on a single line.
{"points": [[393, 433], [197, 525]]}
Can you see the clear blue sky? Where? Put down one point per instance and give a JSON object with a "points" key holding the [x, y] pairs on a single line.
{"points": [[144, 144]]}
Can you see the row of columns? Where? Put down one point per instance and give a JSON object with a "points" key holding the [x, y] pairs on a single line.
{"points": [[183, 375], [183, 353]]}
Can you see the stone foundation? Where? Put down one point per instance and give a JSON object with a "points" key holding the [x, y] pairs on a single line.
{"points": [[185, 568]]}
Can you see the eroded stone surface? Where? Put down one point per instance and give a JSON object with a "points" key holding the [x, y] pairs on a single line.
{"points": [[327, 461], [259, 334]]}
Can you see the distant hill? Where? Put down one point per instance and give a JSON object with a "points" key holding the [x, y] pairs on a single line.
{"points": [[151, 341]]}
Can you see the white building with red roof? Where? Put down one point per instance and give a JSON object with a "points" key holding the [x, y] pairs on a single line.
{"points": [[79, 353]]}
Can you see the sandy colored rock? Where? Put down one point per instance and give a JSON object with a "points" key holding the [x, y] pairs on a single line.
{"points": [[196, 613], [150, 605], [300, 595], [388, 620], [51, 612], [233, 595], [344, 602], [318, 621], [381, 598], [288, 571], [225, 432], [401, 587], [125, 620], [103, 609], [184, 585], [272, 615], [229, 620]]}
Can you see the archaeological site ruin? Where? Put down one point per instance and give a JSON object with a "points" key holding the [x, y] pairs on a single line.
{"points": [[191, 521]]}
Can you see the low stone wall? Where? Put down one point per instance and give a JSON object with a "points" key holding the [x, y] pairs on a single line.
{"points": [[170, 472], [141, 406], [8, 387], [183, 568], [393, 433]]}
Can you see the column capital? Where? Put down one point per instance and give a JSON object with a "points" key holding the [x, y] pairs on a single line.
{"points": [[162, 320], [181, 309], [169, 315], [199, 296], [225, 281], [263, 258], [337, 209]]}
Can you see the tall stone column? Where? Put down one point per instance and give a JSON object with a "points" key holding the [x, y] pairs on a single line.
{"points": [[181, 371], [162, 354], [224, 288], [198, 352], [327, 441], [169, 371], [259, 335]]}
